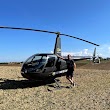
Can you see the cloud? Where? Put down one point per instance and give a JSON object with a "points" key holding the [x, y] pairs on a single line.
{"points": [[102, 51], [66, 53], [51, 51], [84, 52], [109, 48]]}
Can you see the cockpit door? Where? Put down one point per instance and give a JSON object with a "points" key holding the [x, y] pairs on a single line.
{"points": [[50, 66]]}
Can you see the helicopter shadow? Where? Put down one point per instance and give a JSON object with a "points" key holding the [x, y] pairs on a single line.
{"points": [[21, 84], [6, 84]]}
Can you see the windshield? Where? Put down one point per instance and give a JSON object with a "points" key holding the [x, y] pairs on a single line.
{"points": [[36, 61]]}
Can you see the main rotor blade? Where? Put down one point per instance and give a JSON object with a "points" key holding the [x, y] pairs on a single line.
{"points": [[80, 39], [29, 29]]}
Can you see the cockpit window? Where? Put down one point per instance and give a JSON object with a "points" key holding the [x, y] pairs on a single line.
{"points": [[33, 59], [29, 60], [44, 58], [50, 62], [36, 58], [36, 61]]}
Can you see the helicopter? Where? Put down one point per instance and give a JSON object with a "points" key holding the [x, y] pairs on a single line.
{"points": [[44, 66]]}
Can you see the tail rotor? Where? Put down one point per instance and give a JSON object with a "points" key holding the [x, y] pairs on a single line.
{"points": [[95, 58]]}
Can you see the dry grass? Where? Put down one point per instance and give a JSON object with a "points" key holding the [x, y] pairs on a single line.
{"points": [[92, 92]]}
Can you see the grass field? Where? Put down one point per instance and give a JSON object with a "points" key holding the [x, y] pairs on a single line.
{"points": [[92, 91]]}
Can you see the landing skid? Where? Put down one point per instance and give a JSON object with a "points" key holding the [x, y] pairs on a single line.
{"points": [[57, 84]]}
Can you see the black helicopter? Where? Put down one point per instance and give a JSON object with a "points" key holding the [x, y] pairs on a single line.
{"points": [[47, 65]]}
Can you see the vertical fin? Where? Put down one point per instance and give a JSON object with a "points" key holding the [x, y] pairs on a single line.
{"points": [[94, 55], [57, 48]]}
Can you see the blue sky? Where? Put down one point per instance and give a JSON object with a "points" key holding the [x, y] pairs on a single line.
{"points": [[87, 19]]}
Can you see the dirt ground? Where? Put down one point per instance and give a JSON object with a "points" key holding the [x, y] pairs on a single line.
{"points": [[92, 91]]}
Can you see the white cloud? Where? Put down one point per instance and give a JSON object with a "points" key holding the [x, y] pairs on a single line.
{"points": [[66, 53], [109, 48], [51, 51], [102, 50], [84, 52]]}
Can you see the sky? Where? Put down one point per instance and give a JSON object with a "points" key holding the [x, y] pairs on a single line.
{"points": [[86, 19]]}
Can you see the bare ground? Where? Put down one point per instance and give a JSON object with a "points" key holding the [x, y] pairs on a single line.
{"points": [[92, 91]]}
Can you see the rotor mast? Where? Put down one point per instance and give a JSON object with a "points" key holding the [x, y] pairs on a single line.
{"points": [[57, 48]]}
